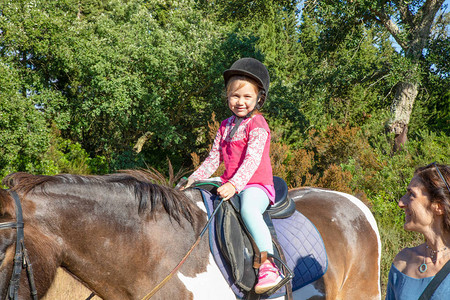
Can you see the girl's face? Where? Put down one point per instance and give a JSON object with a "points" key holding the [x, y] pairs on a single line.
{"points": [[242, 97], [419, 215]]}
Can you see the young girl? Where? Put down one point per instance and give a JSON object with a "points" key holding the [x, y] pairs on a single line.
{"points": [[242, 143]]}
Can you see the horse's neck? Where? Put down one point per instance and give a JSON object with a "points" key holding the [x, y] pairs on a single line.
{"points": [[100, 241]]}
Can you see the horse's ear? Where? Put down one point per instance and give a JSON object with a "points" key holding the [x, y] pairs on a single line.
{"points": [[8, 180], [12, 179]]}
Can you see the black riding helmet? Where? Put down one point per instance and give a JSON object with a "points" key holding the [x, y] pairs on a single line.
{"points": [[254, 69]]}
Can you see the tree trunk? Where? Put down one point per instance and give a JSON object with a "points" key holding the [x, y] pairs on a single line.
{"points": [[141, 141], [405, 94], [417, 20]]}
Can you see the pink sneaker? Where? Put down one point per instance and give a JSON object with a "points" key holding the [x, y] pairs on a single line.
{"points": [[269, 276]]}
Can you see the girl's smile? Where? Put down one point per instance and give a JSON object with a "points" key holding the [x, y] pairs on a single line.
{"points": [[242, 98]]}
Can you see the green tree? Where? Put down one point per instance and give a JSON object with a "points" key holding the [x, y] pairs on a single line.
{"points": [[410, 23], [107, 73], [437, 81], [24, 136]]}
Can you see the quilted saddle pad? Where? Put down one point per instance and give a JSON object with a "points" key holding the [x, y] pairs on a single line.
{"points": [[301, 242]]}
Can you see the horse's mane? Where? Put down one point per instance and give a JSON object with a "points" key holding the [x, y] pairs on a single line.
{"points": [[151, 196]]}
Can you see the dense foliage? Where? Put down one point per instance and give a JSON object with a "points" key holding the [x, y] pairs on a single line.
{"points": [[82, 80]]}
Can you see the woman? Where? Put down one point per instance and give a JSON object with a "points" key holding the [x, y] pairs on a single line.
{"points": [[427, 211]]}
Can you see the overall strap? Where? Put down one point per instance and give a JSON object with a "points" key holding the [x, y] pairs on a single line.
{"points": [[435, 282]]}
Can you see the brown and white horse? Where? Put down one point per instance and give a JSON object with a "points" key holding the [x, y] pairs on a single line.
{"points": [[120, 235]]}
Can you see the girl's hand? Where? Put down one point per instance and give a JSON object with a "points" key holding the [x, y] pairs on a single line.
{"points": [[226, 191], [188, 184]]}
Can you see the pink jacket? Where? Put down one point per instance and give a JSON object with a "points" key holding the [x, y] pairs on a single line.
{"points": [[246, 155]]}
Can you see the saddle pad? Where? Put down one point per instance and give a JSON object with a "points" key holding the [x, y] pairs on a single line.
{"points": [[301, 242]]}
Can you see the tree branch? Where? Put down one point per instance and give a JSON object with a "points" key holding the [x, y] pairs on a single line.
{"points": [[428, 11], [423, 22], [391, 26], [405, 13]]}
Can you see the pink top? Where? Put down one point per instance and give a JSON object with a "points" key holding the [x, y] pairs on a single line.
{"points": [[246, 156]]}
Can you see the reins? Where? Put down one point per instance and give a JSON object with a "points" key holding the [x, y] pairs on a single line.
{"points": [[164, 281], [21, 259]]}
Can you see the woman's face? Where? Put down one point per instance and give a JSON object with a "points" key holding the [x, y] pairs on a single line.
{"points": [[417, 206], [242, 97]]}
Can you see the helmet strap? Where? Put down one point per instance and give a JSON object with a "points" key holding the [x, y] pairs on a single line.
{"points": [[237, 122], [261, 93]]}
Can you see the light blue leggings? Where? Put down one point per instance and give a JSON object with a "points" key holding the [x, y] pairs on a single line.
{"points": [[254, 202]]}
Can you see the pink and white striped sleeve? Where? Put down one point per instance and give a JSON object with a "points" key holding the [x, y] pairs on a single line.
{"points": [[211, 163]]}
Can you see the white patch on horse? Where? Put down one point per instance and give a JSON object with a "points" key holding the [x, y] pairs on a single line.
{"points": [[201, 205], [307, 292], [208, 285], [371, 219]]}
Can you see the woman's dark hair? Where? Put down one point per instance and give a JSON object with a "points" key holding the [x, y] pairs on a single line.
{"points": [[437, 186]]}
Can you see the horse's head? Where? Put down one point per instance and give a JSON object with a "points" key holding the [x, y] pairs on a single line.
{"points": [[68, 218], [7, 217], [8, 235], [22, 242]]}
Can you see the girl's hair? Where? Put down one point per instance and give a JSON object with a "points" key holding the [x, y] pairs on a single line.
{"points": [[437, 187], [242, 78]]}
